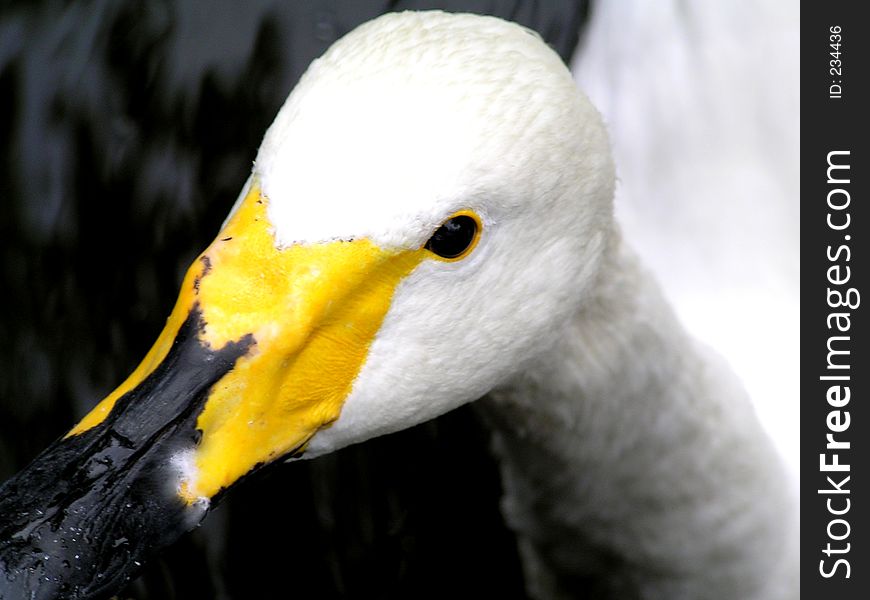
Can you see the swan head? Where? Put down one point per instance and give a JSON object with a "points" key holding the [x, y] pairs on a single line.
{"points": [[429, 206], [412, 119]]}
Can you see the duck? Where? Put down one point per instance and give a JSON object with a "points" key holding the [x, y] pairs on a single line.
{"points": [[429, 222]]}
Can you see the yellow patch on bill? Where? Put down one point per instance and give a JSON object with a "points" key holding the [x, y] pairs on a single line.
{"points": [[313, 311]]}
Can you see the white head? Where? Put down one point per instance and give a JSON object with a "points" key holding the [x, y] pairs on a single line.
{"points": [[321, 315], [403, 123]]}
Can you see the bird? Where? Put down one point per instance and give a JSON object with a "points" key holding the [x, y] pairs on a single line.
{"points": [[428, 223]]}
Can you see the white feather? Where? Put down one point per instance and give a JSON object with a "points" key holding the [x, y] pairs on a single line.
{"points": [[633, 462], [702, 104]]}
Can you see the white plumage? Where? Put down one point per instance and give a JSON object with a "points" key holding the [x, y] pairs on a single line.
{"points": [[633, 462], [707, 151]]}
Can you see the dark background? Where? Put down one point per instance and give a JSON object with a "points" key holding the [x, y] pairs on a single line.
{"points": [[126, 132]]}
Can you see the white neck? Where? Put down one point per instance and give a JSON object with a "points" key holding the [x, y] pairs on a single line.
{"points": [[634, 465]]}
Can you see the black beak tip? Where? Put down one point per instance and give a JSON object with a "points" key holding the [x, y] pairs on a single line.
{"points": [[80, 521], [85, 536]]}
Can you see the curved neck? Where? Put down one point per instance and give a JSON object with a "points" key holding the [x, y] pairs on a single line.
{"points": [[633, 463]]}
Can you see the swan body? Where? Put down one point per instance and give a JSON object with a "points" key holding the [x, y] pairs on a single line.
{"points": [[632, 461], [729, 248]]}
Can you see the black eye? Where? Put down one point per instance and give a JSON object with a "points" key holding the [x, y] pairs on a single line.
{"points": [[456, 236]]}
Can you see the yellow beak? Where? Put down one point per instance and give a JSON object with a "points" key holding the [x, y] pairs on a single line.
{"points": [[304, 315]]}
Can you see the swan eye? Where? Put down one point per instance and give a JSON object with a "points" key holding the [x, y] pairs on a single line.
{"points": [[456, 237]]}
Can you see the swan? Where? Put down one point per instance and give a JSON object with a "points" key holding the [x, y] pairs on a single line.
{"points": [[429, 222]]}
